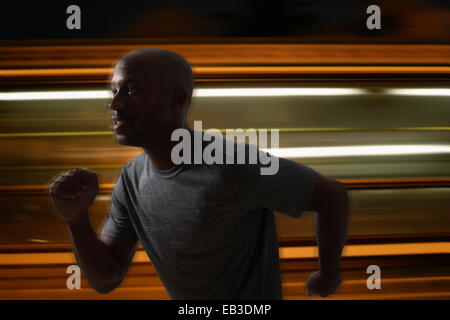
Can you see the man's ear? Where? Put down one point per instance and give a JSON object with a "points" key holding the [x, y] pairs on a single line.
{"points": [[180, 97]]}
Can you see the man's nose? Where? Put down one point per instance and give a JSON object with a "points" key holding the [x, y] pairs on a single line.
{"points": [[117, 102]]}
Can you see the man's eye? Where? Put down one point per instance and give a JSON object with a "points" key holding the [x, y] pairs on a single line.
{"points": [[113, 91], [132, 90]]}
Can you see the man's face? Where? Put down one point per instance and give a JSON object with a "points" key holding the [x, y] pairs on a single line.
{"points": [[140, 105]]}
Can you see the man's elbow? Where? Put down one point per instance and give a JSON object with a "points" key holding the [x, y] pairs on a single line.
{"points": [[102, 290], [106, 285], [328, 196], [105, 288]]}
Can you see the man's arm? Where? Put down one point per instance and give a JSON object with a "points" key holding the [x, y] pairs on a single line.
{"points": [[103, 260], [330, 202]]}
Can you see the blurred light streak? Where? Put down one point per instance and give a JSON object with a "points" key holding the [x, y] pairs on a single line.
{"points": [[378, 150], [38, 240], [276, 92], [223, 131], [103, 198], [237, 92], [286, 70], [107, 188], [56, 134], [221, 92], [419, 92], [55, 72], [362, 250], [38, 188], [62, 167], [54, 95], [236, 70], [400, 280]]}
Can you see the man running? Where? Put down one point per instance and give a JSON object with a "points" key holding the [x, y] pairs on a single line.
{"points": [[208, 229]]}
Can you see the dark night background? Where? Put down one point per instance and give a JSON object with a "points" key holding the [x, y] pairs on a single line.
{"points": [[399, 203], [415, 21]]}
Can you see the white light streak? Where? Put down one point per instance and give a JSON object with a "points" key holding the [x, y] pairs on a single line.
{"points": [[419, 92], [276, 92], [380, 150], [54, 95], [223, 92], [229, 92]]}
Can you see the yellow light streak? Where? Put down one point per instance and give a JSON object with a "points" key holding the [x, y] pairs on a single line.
{"points": [[285, 253]]}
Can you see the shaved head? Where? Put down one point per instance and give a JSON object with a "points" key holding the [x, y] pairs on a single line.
{"points": [[168, 67], [151, 94]]}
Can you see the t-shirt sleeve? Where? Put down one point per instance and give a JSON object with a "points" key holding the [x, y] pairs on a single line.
{"points": [[118, 224], [287, 191]]}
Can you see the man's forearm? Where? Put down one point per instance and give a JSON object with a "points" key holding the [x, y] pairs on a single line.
{"points": [[331, 231], [94, 257]]}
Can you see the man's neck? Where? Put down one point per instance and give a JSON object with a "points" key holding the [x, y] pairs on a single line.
{"points": [[161, 155]]}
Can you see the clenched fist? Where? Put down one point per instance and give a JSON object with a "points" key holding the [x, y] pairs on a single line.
{"points": [[73, 192], [321, 284]]}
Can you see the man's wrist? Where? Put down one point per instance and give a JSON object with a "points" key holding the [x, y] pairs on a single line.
{"points": [[78, 222], [330, 272]]}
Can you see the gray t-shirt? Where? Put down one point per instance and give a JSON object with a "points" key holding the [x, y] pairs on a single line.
{"points": [[209, 230]]}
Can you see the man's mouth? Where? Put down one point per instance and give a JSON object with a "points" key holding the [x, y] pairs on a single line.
{"points": [[121, 122]]}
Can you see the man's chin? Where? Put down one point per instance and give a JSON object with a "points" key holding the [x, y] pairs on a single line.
{"points": [[126, 141]]}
